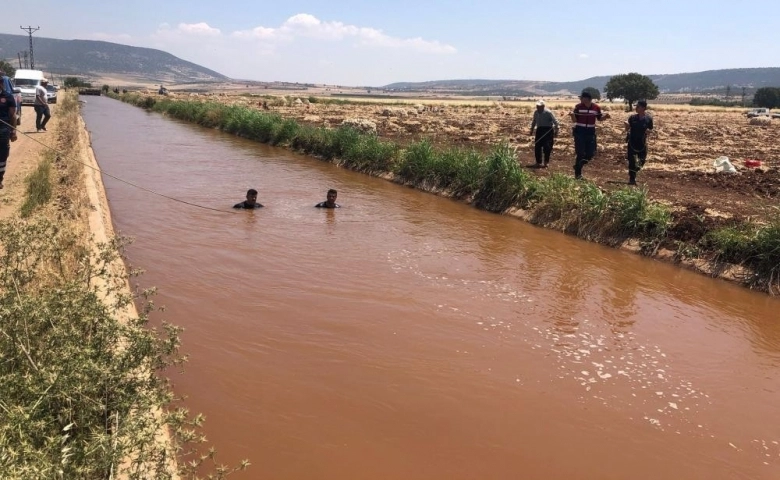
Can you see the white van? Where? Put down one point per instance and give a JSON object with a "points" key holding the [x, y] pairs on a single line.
{"points": [[27, 80]]}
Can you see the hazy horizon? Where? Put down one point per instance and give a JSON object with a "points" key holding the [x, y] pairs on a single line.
{"points": [[346, 43]]}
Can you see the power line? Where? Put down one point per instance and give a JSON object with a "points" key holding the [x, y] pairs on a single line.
{"points": [[103, 172], [30, 31]]}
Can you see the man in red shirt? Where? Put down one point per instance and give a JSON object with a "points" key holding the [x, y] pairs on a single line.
{"points": [[584, 117]]}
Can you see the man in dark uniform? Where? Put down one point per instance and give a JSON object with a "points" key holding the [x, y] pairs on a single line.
{"points": [[584, 117], [637, 127], [250, 202], [331, 200], [7, 132]]}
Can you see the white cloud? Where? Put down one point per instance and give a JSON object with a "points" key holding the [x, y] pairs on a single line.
{"points": [[198, 29], [304, 25], [584, 55]]}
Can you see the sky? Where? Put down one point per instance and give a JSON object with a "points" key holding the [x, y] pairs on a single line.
{"points": [[376, 43]]}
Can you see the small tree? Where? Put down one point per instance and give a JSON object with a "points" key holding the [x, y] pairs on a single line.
{"points": [[106, 88], [767, 97], [7, 68], [728, 91], [594, 92], [631, 87]]}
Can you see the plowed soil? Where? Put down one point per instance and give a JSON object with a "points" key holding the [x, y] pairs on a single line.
{"points": [[681, 150]]}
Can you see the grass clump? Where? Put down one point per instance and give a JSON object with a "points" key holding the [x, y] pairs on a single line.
{"points": [[369, 154], [505, 182], [632, 214], [755, 246], [38, 187]]}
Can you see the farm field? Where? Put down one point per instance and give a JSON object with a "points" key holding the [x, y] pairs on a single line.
{"points": [[681, 151]]}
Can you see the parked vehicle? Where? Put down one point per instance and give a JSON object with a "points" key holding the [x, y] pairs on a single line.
{"points": [[51, 94], [776, 115], [758, 112], [27, 80], [8, 86]]}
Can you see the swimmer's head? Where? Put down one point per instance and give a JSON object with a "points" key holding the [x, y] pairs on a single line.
{"points": [[251, 196], [332, 194]]}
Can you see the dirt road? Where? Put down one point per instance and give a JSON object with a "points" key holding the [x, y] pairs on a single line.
{"points": [[25, 154]]}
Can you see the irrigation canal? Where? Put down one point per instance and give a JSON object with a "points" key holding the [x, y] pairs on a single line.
{"points": [[407, 336]]}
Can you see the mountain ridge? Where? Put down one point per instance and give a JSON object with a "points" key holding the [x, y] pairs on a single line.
{"points": [[688, 82], [99, 58]]}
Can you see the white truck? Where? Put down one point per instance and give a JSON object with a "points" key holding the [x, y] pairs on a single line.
{"points": [[27, 80], [758, 112]]}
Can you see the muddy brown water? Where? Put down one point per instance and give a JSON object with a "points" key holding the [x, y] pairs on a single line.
{"points": [[407, 336]]}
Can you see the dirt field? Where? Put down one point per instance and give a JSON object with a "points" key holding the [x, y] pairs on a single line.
{"points": [[681, 150]]}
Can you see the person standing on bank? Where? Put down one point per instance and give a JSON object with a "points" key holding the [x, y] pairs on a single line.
{"points": [[584, 117], [7, 131], [637, 127], [41, 106], [546, 130]]}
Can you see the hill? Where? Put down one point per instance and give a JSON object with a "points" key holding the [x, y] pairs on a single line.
{"points": [[98, 59], [697, 82]]}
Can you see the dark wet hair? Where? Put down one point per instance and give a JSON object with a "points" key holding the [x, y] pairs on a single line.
{"points": [[332, 191], [251, 191], [642, 103]]}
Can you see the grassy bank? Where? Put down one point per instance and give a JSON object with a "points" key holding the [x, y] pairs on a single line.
{"points": [[496, 182], [80, 368]]}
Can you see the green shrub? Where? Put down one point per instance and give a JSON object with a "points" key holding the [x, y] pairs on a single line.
{"points": [[633, 215], [38, 188], [368, 154], [284, 132], [505, 182], [417, 162], [749, 244], [78, 379]]}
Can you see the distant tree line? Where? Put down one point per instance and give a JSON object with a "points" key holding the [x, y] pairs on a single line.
{"points": [[714, 102], [75, 82]]}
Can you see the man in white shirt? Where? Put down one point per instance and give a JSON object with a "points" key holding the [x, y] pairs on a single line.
{"points": [[41, 106]]}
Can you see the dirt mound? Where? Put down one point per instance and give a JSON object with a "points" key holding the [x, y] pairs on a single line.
{"points": [[693, 221], [756, 183]]}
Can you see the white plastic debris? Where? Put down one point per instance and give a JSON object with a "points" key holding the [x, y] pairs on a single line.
{"points": [[723, 165]]}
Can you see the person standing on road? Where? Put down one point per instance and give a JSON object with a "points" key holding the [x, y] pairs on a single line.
{"points": [[7, 131], [546, 130], [637, 128], [41, 106], [584, 117]]}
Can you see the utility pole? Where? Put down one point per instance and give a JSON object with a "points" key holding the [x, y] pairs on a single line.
{"points": [[19, 54], [25, 54], [30, 31]]}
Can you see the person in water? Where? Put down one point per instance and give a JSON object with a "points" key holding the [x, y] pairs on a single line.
{"points": [[250, 202], [331, 201]]}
